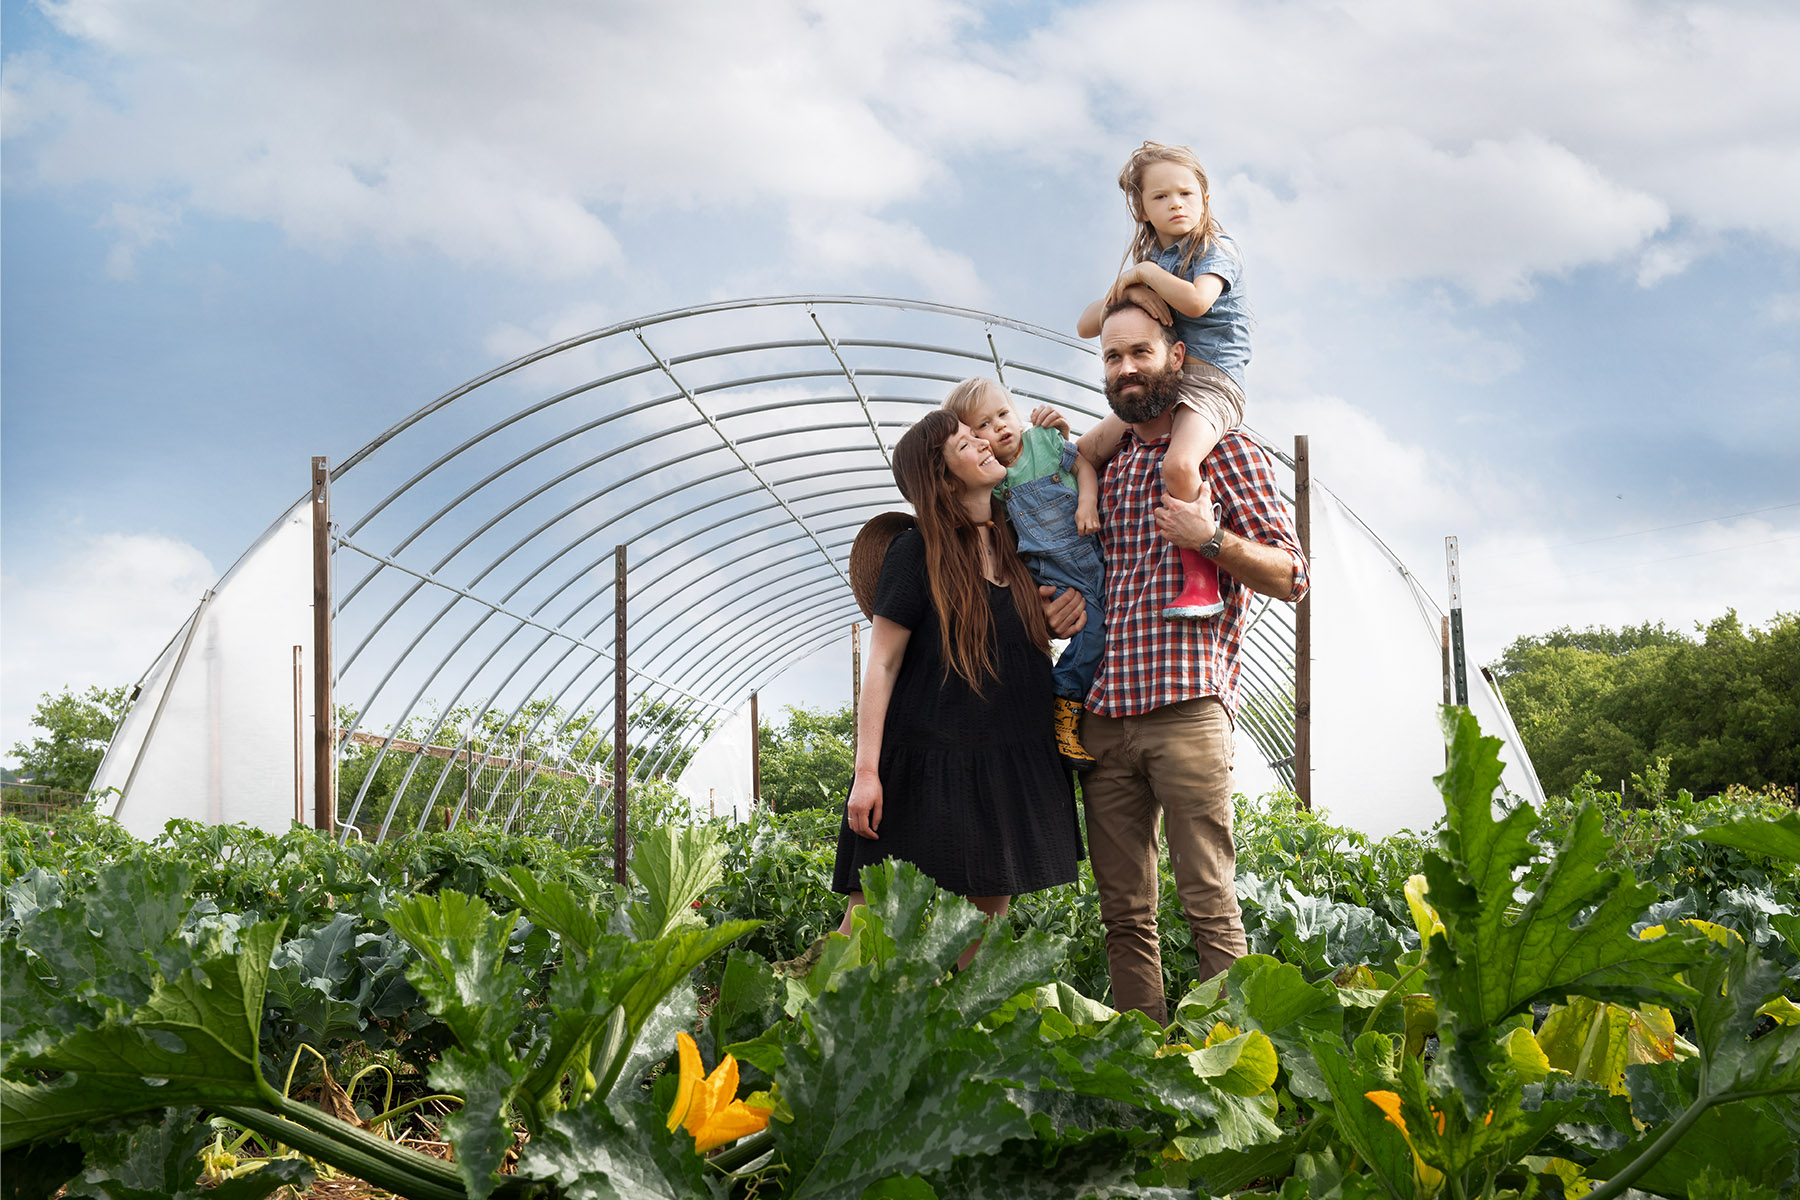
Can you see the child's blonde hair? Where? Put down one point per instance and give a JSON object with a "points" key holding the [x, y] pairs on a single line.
{"points": [[965, 397], [1144, 243]]}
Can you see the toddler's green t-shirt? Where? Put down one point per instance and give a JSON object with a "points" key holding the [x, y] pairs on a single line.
{"points": [[1040, 454]]}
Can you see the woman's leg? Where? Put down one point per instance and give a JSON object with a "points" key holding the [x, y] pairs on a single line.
{"points": [[855, 899], [994, 907]]}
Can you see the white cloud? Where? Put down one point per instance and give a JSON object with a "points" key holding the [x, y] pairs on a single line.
{"points": [[1382, 140], [95, 617], [139, 228], [1384, 206]]}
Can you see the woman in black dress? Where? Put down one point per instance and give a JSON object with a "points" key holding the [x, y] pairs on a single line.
{"points": [[956, 763]]}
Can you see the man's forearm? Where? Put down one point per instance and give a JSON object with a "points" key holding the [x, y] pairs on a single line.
{"points": [[1261, 568]]}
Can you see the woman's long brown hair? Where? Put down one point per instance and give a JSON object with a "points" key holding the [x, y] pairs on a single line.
{"points": [[953, 554]]}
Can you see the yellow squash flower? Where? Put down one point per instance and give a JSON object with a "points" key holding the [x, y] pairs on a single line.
{"points": [[707, 1105]]}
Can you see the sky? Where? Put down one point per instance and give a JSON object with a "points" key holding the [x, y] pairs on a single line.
{"points": [[1527, 273]]}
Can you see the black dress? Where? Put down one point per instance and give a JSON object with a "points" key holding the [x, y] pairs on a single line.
{"points": [[973, 792]]}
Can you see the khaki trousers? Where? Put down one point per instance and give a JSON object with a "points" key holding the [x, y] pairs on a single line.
{"points": [[1177, 760]]}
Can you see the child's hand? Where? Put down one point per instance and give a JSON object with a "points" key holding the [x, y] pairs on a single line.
{"points": [[1145, 297], [1087, 518], [1049, 418], [1126, 279]]}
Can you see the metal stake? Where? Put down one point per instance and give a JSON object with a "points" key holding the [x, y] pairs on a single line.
{"points": [[1459, 670]]}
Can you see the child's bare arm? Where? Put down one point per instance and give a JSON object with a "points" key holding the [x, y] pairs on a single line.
{"points": [[1099, 444], [1188, 299], [1087, 497], [1145, 298]]}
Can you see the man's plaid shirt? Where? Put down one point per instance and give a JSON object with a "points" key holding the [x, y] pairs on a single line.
{"points": [[1150, 662]]}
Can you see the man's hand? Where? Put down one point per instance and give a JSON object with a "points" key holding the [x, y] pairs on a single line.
{"points": [[1066, 613], [1189, 525], [1047, 417]]}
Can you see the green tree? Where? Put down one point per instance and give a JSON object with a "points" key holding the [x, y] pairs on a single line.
{"points": [[76, 730], [807, 763], [1723, 708]]}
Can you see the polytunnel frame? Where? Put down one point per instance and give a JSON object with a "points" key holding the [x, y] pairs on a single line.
{"points": [[680, 687]]}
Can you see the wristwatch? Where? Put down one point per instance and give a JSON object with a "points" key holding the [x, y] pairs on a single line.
{"points": [[1210, 549]]}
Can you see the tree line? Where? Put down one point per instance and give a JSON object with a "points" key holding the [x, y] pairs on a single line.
{"points": [[1715, 709], [1711, 710]]}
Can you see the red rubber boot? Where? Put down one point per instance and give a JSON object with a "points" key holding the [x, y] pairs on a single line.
{"points": [[1199, 598]]}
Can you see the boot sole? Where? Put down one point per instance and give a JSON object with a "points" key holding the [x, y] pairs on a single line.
{"points": [[1194, 612]]}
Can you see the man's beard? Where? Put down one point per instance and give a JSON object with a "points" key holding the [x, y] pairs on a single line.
{"points": [[1161, 389]]}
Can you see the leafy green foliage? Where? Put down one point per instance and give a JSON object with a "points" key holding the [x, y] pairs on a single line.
{"points": [[1724, 709], [1344, 1059], [807, 762], [75, 732], [1572, 932]]}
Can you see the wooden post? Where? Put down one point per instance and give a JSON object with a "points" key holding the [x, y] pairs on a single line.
{"points": [[324, 733], [1303, 629], [855, 684], [1458, 670], [621, 763], [299, 735], [755, 754]]}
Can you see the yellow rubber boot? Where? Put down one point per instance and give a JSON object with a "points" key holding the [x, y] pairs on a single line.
{"points": [[1068, 735]]}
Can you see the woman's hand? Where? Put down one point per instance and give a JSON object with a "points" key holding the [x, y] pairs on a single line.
{"points": [[1067, 613], [1049, 418], [864, 809]]}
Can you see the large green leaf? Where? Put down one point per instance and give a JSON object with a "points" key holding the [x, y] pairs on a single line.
{"points": [[1741, 1071], [481, 1130], [555, 906], [1380, 1145], [589, 1154], [1274, 998], [933, 926], [194, 1041], [1101, 1166], [1778, 838], [675, 865], [463, 973], [1497, 952], [1747, 1140], [156, 1157]]}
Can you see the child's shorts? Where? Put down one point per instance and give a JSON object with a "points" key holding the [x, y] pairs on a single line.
{"points": [[1211, 393]]}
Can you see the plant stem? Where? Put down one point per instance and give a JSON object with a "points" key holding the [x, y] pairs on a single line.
{"points": [[415, 1182], [1387, 997], [744, 1151], [1617, 1185]]}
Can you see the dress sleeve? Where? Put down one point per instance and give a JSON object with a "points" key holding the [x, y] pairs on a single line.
{"points": [[902, 595]]}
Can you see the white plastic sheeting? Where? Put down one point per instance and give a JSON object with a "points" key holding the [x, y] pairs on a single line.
{"points": [[221, 699], [716, 780], [1378, 684], [736, 448]]}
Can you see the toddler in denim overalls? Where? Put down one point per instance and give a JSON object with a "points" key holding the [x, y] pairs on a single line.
{"points": [[1052, 499]]}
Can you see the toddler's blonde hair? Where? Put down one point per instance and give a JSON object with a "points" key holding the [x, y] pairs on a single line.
{"points": [[1144, 244], [965, 397]]}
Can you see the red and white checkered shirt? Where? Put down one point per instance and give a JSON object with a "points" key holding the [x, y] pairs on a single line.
{"points": [[1150, 662]]}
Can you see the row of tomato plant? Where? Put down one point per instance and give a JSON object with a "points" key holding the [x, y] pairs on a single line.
{"points": [[1491, 1013]]}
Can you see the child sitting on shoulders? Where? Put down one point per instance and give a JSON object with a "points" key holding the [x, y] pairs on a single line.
{"points": [[1183, 269], [1051, 495]]}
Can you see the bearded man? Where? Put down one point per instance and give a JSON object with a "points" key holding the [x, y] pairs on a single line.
{"points": [[1160, 715]]}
